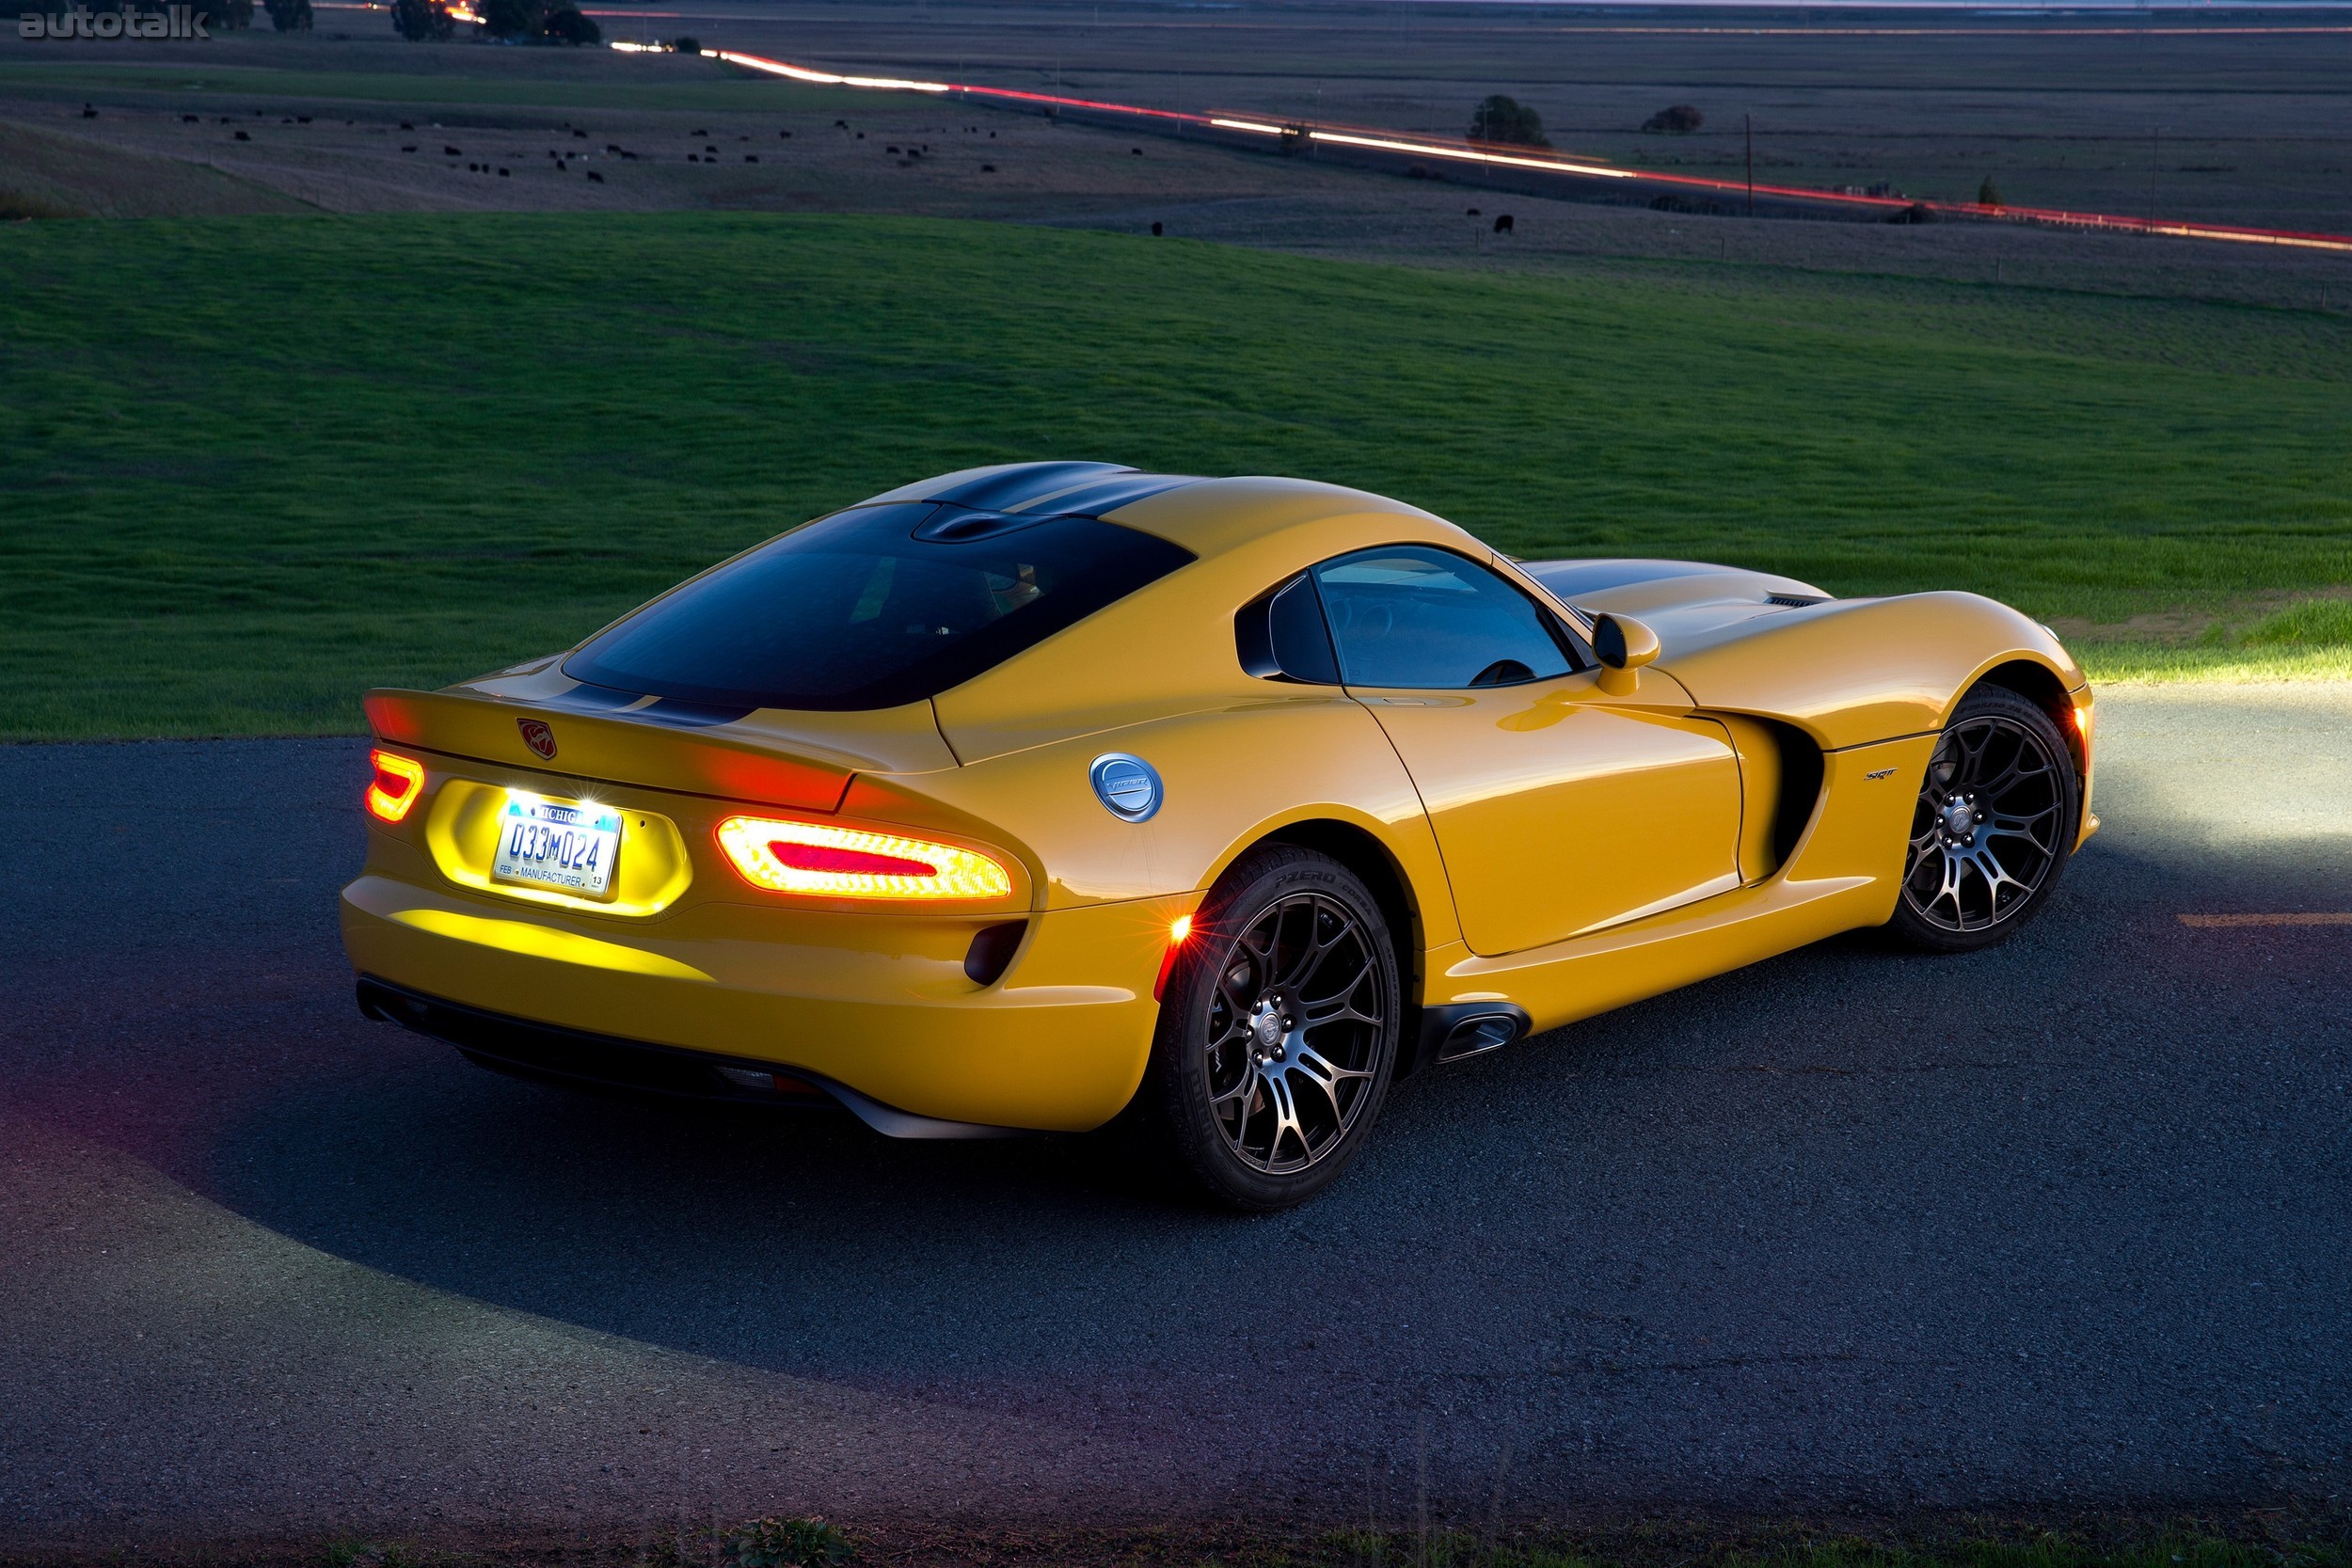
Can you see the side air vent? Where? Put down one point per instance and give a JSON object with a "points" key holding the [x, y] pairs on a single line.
{"points": [[1794, 601], [1801, 770]]}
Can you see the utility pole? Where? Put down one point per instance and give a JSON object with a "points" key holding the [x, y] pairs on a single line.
{"points": [[1747, 123]]}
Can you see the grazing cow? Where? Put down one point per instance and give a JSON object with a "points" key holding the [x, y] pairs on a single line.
{"points": [[1503, 223]]}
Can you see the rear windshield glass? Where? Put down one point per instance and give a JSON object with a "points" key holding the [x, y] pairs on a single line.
{"points": [[855, 611]]}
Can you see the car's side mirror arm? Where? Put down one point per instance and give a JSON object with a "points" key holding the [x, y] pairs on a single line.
{"points": [[1623, 645]]}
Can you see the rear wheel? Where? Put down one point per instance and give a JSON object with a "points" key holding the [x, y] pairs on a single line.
{"points": [[1993, 827], [1278, 1032]]}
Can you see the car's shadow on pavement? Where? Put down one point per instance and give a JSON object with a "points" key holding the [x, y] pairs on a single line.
{"points": [[731, 1230], [801, 1241], [1491, 1196]]}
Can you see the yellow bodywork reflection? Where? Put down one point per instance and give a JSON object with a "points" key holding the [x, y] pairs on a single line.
{"points": [[543, 942]]}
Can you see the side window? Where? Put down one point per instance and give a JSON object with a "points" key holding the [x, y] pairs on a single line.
{"points": [[1281, 636], [1408, 616]]}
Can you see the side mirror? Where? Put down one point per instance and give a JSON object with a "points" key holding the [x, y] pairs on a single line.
{"points": [[1624, 645]]}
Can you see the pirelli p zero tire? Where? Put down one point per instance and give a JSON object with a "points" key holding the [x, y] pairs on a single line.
{"points": [[1993, 827], [1277, 1033]]}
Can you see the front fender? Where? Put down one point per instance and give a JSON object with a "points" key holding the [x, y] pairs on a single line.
{"points": [[1857, 670]]}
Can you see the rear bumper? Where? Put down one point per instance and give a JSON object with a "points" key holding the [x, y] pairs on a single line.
{"points": [[877, 1011], [545, 1051]]}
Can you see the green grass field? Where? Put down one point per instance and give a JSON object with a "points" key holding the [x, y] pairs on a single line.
{"points": [[254, 466]]}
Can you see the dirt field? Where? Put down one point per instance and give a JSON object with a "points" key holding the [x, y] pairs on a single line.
{"points": [[2244, 116], [2257, 119]]}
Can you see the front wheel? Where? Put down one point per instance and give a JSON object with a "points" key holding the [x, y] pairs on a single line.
{"points": [[1993, 827], [1277, 1033]]}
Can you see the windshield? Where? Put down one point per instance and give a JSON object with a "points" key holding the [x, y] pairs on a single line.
{"points": [[861, 611]]}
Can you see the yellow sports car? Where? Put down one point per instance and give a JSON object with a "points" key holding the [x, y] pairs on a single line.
{"points": [[1041, 795]]}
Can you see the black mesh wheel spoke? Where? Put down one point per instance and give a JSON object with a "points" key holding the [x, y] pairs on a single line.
{"points": [[1985, 833], [1293, 1053]]}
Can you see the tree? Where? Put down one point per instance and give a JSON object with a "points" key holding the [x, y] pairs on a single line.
{"points": [[1988, 194], [512, 19], [1505, 118], [687, 45], [289, 16], [421, 21], [568, 26], [1675, 120]]}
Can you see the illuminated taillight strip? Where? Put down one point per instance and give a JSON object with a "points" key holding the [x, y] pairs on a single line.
{"points": [[893, 867], [397, 784]]}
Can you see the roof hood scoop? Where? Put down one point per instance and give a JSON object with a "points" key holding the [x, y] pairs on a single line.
{"points": [[953, 525]]}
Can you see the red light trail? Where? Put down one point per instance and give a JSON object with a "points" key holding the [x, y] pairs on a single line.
{"points": [[1491, 155]]}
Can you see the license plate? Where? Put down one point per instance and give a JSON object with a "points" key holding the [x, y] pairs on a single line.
{"points": [[564, 844]]}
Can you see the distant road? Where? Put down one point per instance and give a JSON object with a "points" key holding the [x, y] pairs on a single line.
{"points": [[2059, 1225]]}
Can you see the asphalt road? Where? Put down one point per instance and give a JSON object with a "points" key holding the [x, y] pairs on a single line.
{"points": [[2062, 1224]]}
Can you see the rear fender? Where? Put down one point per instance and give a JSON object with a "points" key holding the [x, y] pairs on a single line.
{"points": [[1324, 758]]}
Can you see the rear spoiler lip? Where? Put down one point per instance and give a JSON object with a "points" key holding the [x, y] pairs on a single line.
{"points": [[608, 748]]}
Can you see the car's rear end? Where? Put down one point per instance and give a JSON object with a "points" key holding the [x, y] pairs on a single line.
{"points": [[697, 854]]}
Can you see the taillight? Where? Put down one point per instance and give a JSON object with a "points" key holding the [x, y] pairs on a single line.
{"points": [[397, 784], [847, 863]]}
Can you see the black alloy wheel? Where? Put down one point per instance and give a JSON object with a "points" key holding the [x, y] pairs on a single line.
{"points": [[1278, 1033], [1992, 827]]}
